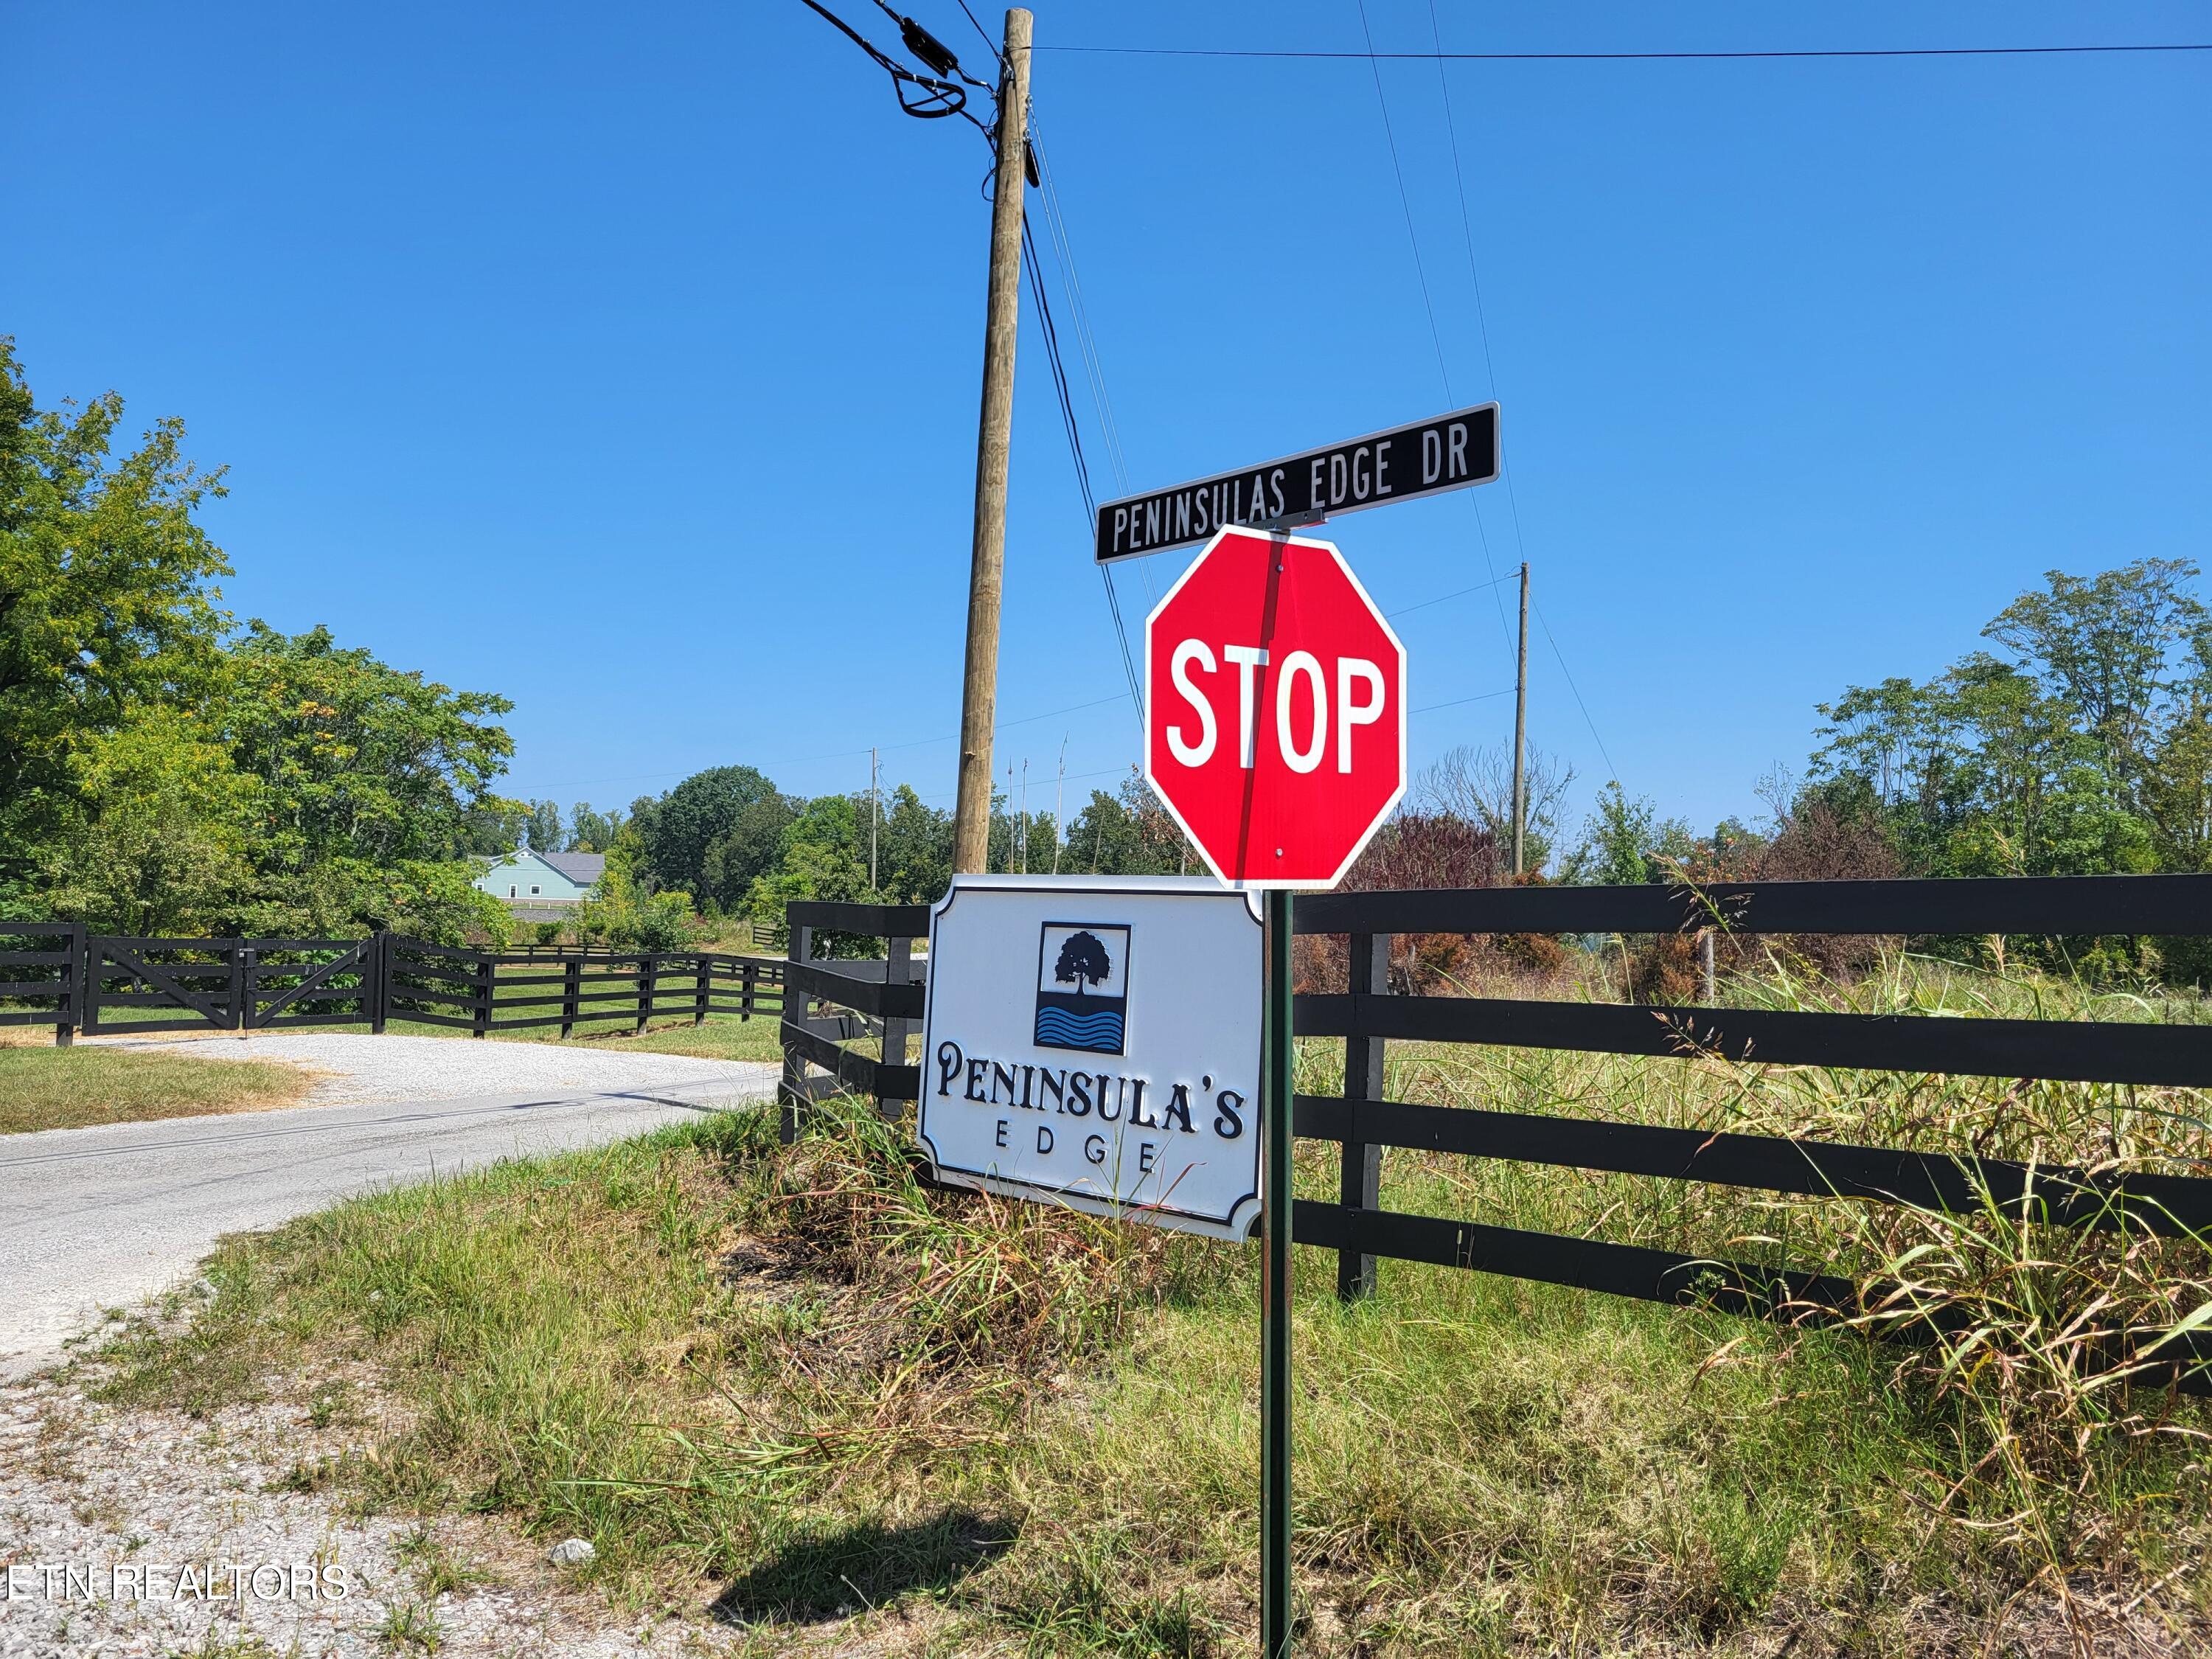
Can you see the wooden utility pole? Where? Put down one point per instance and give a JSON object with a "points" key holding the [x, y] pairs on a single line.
{"points": [[874, 812], [979, 695], [1520, 733]]}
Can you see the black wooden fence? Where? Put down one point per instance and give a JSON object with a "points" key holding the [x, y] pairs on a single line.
{"points": [[1365, 1124], [98, 984], [882, 997], [873, 1002]]}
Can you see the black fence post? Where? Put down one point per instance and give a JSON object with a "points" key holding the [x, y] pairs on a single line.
{"points": [[799, 947], [1361, 1184], [899, 968], [706, 987], [751, 982], [239, 957], [572, 986], [376, 980], [71, 1004], [648, 976], [480, 1015]]}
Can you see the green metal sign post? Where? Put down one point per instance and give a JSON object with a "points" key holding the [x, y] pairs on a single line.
{"points": [[1275, 1283]]}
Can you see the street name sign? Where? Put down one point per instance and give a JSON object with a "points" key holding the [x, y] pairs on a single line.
{"points": [[1450, 451], [1094, 1042], [1274, 710]]}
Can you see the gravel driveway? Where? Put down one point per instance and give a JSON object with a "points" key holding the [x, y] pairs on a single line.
{"points": [[395, 1068], [102, 1217]]}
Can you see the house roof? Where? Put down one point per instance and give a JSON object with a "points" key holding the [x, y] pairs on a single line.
{"points": [[585, 869]]}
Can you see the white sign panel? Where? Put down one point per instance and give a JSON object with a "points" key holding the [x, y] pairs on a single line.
{"points": [[1094, 1041]]}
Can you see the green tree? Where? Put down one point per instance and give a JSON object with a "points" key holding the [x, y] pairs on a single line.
{"points": [[106, 596], [676, 830], [592, 831], [358, 759], [623, 911], [1624, 841], [544, 829], [160, 848], [1128, 833], [747, 850], [914, 853], [824, 855], [2117, 647]]}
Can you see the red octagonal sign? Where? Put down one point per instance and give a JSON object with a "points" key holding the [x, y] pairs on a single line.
{"points": [[1275, 709]]}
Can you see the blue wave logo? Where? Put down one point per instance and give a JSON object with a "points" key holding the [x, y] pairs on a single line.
{"points": [[1097, 1033]]}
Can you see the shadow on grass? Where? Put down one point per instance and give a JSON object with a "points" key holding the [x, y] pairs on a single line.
{"points": [[829, 1575]]}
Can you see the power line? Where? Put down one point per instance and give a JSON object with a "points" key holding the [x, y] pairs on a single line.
{"points": [[1577, 689], [1479, 697], [935, 98], [1034, 267], [1635, 57], [836, 754], [1436, 336], [1457, 593], [1474, 280], [1072, 777]]}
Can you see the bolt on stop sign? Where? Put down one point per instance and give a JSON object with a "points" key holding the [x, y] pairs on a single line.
{"points": [[1275, 709]]}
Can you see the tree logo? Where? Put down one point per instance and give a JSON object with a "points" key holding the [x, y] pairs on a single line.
{"points": [[1082, 987]]}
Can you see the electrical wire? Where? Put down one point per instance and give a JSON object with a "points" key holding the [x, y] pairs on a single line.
{"points": [[1420, 270], [1086, 343], [1577, 689], [1637, 56], [1474, 280], [1049, 330], [1479, 697], [1456, 594], [936, 98]]}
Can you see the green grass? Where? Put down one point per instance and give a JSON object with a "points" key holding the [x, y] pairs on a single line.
{"points": [[48, 1088], [795, 1383]]}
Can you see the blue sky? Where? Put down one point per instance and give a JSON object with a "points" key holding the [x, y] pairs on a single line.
{"points": [[625, 361]]}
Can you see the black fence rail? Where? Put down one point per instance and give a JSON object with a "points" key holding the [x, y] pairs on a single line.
{"points": [[834, 1004], [108, 985], [487, 991], [153, 985], [1365, 1124], [42, 975]]}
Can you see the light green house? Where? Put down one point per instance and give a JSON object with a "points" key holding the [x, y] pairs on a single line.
{"points": [[544, 886]]}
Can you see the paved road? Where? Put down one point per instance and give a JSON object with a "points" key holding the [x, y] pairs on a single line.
{"points": [[92, 1218]]}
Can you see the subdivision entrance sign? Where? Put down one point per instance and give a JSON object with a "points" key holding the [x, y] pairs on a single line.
{"points": [[1096, 1043]]}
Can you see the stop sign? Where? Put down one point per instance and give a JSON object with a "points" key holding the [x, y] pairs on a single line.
{"points": [[1275, 709]]}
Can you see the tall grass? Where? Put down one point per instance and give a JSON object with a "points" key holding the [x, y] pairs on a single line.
{"points": [[801, 1377]]}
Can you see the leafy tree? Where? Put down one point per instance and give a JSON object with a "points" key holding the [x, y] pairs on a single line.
{"points": [[543, 827], [676, 830], [824, 855], [592, 831], [1128, 833], [914, 857], [360, 760], [1624, 841], [747, 850], [2116, 648], [623, 911], [162, 847], [105, 595]]}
